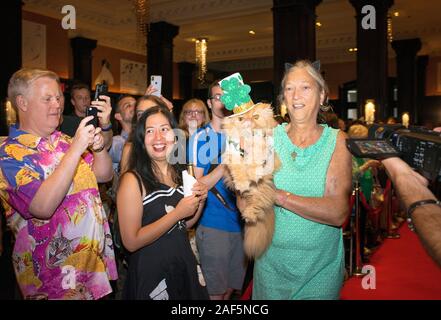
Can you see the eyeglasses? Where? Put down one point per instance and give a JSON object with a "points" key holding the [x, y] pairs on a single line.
{"points": [[216, 97], [193, 112]]}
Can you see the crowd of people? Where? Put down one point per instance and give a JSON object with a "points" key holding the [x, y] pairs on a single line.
{"points": [[69, 245]]}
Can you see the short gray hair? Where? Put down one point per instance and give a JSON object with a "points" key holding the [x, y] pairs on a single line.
{"points": [[313, 72], [22, 79]]}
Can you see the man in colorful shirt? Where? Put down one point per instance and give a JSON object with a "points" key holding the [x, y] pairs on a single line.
{"points": [[48, 185]]}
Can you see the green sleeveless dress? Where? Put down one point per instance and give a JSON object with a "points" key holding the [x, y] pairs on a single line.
{"points": [[305, 259]]}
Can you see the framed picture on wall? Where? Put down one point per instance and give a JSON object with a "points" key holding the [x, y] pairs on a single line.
{"points": [[33, 45], [133, 77]]}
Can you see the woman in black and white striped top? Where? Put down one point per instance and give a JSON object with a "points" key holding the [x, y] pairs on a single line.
{"points": [[154, 216]]}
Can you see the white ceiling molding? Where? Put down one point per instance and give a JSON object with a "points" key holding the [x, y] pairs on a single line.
{"points": [[183, 12], [226, 24]]}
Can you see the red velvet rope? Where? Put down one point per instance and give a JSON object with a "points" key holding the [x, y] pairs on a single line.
{"points": [[385, 194]]}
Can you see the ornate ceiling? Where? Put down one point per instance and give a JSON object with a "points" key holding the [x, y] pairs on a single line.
{"points": [[226, 24]]}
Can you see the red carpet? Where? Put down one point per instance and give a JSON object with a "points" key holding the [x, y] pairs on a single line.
{"points": [[404, 271]]}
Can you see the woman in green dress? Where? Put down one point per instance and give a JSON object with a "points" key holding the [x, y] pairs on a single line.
{"points": [[306, 257]]}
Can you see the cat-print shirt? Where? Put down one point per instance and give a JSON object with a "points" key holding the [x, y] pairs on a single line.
{"points": [[69, 256]]}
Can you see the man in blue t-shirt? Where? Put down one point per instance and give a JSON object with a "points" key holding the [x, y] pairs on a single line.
{"points": [[219, 235]]}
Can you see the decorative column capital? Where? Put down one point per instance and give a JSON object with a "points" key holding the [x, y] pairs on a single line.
{"points": [[287, 3], [407, 46], [378, 4], [83, 43], [162, 31]]}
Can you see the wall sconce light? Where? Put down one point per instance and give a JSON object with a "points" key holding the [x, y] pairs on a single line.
{"points": [[369, 111], [11, 115], [405, 119], [105, 74], [201, 58]]}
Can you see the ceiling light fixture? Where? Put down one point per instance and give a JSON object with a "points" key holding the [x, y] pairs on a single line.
{"points": [[252, 32], [142, 12], [390, 36], [201, 58]]}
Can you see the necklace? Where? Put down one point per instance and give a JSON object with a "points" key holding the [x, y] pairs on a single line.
{"points": [[294, 153]]}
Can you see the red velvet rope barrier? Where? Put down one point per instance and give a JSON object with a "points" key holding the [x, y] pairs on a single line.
{"points": [[388, 187], [385, 194], [374, 213]]}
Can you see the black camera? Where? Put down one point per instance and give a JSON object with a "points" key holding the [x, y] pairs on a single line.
{"points": [[419, 147]]}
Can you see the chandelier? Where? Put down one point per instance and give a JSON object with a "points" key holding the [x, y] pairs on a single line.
{"points": [[390, 37], [142, 12], [201, 58]]}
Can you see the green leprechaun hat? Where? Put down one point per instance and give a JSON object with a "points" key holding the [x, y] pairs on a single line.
{"points": [[236, 94]]}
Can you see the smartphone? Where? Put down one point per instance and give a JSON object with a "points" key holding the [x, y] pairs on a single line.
{"points": [[156, 81], [92, 111], [101, 89], [371, 148]]}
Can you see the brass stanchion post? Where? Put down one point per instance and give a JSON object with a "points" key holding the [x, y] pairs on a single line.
{"points": [[358, 262], [351, 243], [390, 233]]}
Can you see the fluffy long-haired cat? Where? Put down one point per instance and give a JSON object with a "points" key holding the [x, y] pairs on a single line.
{"points": [[251, 163]]}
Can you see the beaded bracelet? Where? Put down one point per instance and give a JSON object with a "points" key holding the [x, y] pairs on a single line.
{"points": [[417, 204]]}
